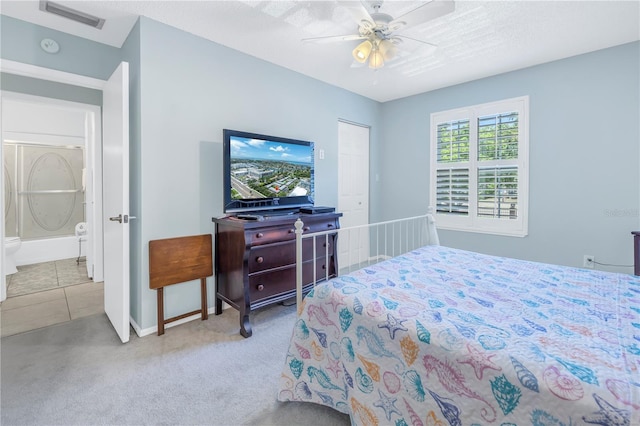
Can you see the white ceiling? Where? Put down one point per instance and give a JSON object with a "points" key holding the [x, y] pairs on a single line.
{"points": [[479, 39]]}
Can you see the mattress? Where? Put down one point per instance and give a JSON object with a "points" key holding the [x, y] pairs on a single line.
{"points": [[443, 336]]}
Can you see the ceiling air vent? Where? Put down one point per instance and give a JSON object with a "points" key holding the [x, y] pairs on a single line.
{"points": [[74, 15]]}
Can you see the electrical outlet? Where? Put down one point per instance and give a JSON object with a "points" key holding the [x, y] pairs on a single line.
{"points": [[589, 261]]}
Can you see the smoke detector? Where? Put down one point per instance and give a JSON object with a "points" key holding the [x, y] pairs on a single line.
{"points": [[49, 45]]}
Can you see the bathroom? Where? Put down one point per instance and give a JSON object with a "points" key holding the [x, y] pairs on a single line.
{"points": [[49, 160]]}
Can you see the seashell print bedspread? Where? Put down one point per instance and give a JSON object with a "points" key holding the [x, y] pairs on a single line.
{"points": [[441, 336]]}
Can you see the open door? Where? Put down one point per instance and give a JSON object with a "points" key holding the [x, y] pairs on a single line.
{"points": [[115, 161]]}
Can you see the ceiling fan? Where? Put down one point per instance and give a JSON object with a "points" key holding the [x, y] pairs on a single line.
{"points": [[378, 30]]}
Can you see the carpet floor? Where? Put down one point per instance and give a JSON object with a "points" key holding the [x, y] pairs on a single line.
{"points": [[198, 373]]}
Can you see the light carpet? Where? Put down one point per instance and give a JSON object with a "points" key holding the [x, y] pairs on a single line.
{"points": [[198, 373]]}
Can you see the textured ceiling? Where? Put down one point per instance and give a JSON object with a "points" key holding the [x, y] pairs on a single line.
{"points": [[479, 39]]}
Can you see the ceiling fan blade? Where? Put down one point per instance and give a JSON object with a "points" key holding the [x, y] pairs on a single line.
{"points": [[428, 11], [358, 11], [402, 36], [333, 39], [413, 44]]}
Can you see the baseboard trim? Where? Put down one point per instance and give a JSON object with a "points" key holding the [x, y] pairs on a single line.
{"points": [[141, 332]]}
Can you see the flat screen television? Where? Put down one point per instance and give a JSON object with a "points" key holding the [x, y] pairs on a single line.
{"points": [[266, 173]]}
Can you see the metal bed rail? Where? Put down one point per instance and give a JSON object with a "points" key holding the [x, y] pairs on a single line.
{"points": [[364, 245]]}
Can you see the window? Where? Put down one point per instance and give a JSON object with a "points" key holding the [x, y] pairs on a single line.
{"points": [[479, 167]]}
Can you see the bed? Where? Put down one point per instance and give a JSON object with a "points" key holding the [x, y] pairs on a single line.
{"points": [[441, 336]]}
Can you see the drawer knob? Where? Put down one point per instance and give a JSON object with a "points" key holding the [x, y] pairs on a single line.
{"points": [[260, 287], [259, 235], [259, 259]]}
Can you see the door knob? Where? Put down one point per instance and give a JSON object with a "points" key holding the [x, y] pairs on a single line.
{"points": [[120, 218]]}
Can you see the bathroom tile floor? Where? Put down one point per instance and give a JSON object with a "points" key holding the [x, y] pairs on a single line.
{"points": [[48, 293], [47, 276]]}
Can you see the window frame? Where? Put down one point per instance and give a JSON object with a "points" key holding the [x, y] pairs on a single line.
{"points": [[517, 227]]}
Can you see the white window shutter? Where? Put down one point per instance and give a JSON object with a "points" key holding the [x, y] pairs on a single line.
{"points": [[479, 167]]}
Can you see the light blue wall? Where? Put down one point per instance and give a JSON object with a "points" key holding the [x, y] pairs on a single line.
{"points": [[584, 154], [49, 89], [20, 42], [191, 89]]}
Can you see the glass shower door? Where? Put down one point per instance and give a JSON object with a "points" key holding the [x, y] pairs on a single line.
{"points": [[50, 193]]}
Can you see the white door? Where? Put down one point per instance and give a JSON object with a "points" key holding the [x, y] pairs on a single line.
{"points": [[115, 157], [353, 192]]}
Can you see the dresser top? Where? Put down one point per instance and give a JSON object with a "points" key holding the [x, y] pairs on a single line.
{"points": [[275, 220]]}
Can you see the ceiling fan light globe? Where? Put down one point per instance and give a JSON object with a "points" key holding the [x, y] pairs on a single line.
{"points": [[388, 50], [376, 60], [362, 51]]}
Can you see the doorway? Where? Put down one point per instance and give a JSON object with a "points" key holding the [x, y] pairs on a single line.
{"points": [[52, 177], [115, 120], [31, 71]]}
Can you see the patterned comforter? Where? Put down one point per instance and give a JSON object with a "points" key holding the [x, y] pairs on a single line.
{"points": [[442, 336]]}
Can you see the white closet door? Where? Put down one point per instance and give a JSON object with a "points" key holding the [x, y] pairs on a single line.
{"points": [[353, 191]]}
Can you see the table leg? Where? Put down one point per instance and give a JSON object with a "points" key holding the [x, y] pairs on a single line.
{"points": [[160, 311]]}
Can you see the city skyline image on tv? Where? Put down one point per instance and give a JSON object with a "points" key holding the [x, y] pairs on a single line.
{"points": [[261, 168]]}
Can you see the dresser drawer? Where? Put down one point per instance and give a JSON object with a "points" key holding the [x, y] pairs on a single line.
{"points": [[282, 281], [261, 236], [268, 235], [311, 225], [275, 255]]}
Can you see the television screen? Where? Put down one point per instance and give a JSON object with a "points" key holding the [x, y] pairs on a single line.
{"points": [[266, 172]]}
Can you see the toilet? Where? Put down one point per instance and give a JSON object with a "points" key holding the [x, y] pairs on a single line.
{"points": [[11, 245]]}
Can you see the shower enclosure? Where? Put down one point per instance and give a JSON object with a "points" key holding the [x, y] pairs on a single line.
{"points": [[44, 196]]}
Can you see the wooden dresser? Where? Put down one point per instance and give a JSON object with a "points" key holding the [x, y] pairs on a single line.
{"points": [[255, 260]]}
